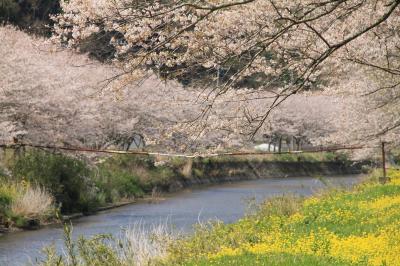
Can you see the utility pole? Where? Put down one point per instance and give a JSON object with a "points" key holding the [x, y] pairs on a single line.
{"points": [[383, 163]]}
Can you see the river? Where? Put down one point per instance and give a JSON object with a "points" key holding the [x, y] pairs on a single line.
{"points": [[225, 202]]}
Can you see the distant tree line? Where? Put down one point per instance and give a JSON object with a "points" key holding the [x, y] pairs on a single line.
{"points": [[34, 15], [30, 15]]}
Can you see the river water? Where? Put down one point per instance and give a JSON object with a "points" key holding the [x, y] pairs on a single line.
{"points": [[225, 202]]}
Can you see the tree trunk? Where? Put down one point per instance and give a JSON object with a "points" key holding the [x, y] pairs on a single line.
{"points": [[292, 143]]}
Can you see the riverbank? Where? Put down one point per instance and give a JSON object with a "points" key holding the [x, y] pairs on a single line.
{"points": [[76, 186], [360, 227], [177, 213], [336, 227]]}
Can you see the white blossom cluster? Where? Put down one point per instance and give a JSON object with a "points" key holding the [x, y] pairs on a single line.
{"points": [[348, 48], [302, 34], [298, 42], [50, 96]]}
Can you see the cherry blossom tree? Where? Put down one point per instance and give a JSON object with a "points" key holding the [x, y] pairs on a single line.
{"points": [[371, 111], [241, 59], [286, 47], [50, 95]]}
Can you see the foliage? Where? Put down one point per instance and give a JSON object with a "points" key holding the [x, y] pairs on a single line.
{"points": [[7, 194], [395, 153], [83, 188], [33, 203], [285, 157], [21, 202], [276, 259], [287, 46], [69, 109], [117, 179], [137, 246], [133, 175], [68, 179], [284, 206], [358, 227], [338, 228], [78, 187], [95, 251], [8, 10], [3, 175], [31, 15]]}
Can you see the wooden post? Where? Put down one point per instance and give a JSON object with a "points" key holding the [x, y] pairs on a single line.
{"points": [[383, 162], [298, 140], [292, 143]]}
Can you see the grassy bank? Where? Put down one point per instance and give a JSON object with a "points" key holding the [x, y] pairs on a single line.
{"points": [[72, 185], [357, 227], [360, 227], [79, 185]]}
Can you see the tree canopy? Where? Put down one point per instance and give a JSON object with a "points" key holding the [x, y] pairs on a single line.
{"points": [[285, 47], [31, 15], [236, 62]]}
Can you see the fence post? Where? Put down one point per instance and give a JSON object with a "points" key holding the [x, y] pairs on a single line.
{"points": [[383, 163]]}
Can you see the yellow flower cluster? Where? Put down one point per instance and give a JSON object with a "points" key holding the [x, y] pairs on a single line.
{"points": [[381, 249], [378, 246], [395, 177], [381, 204]]}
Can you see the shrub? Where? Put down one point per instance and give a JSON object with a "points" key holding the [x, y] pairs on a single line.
{"points": [[7, 194], [284, 205], [285, 157], [133, 175], [3, 174], [329, 156], [395, 155], [144, 246], [80, 188], [8, 10], [116, 184], [31, 15], [33, 203], [161, 177], [306, 157], [136, 246], [20, 203], [68, 179]]}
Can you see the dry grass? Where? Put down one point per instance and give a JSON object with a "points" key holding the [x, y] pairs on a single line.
{"points": [[139, 245], [33, 202], [284, 205], [146, 246]]}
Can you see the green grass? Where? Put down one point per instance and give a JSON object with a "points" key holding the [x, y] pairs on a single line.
{"points": [[275, 259], [338, 228], [321, 215], [79, 185], [285, 157], [67, 178]]}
